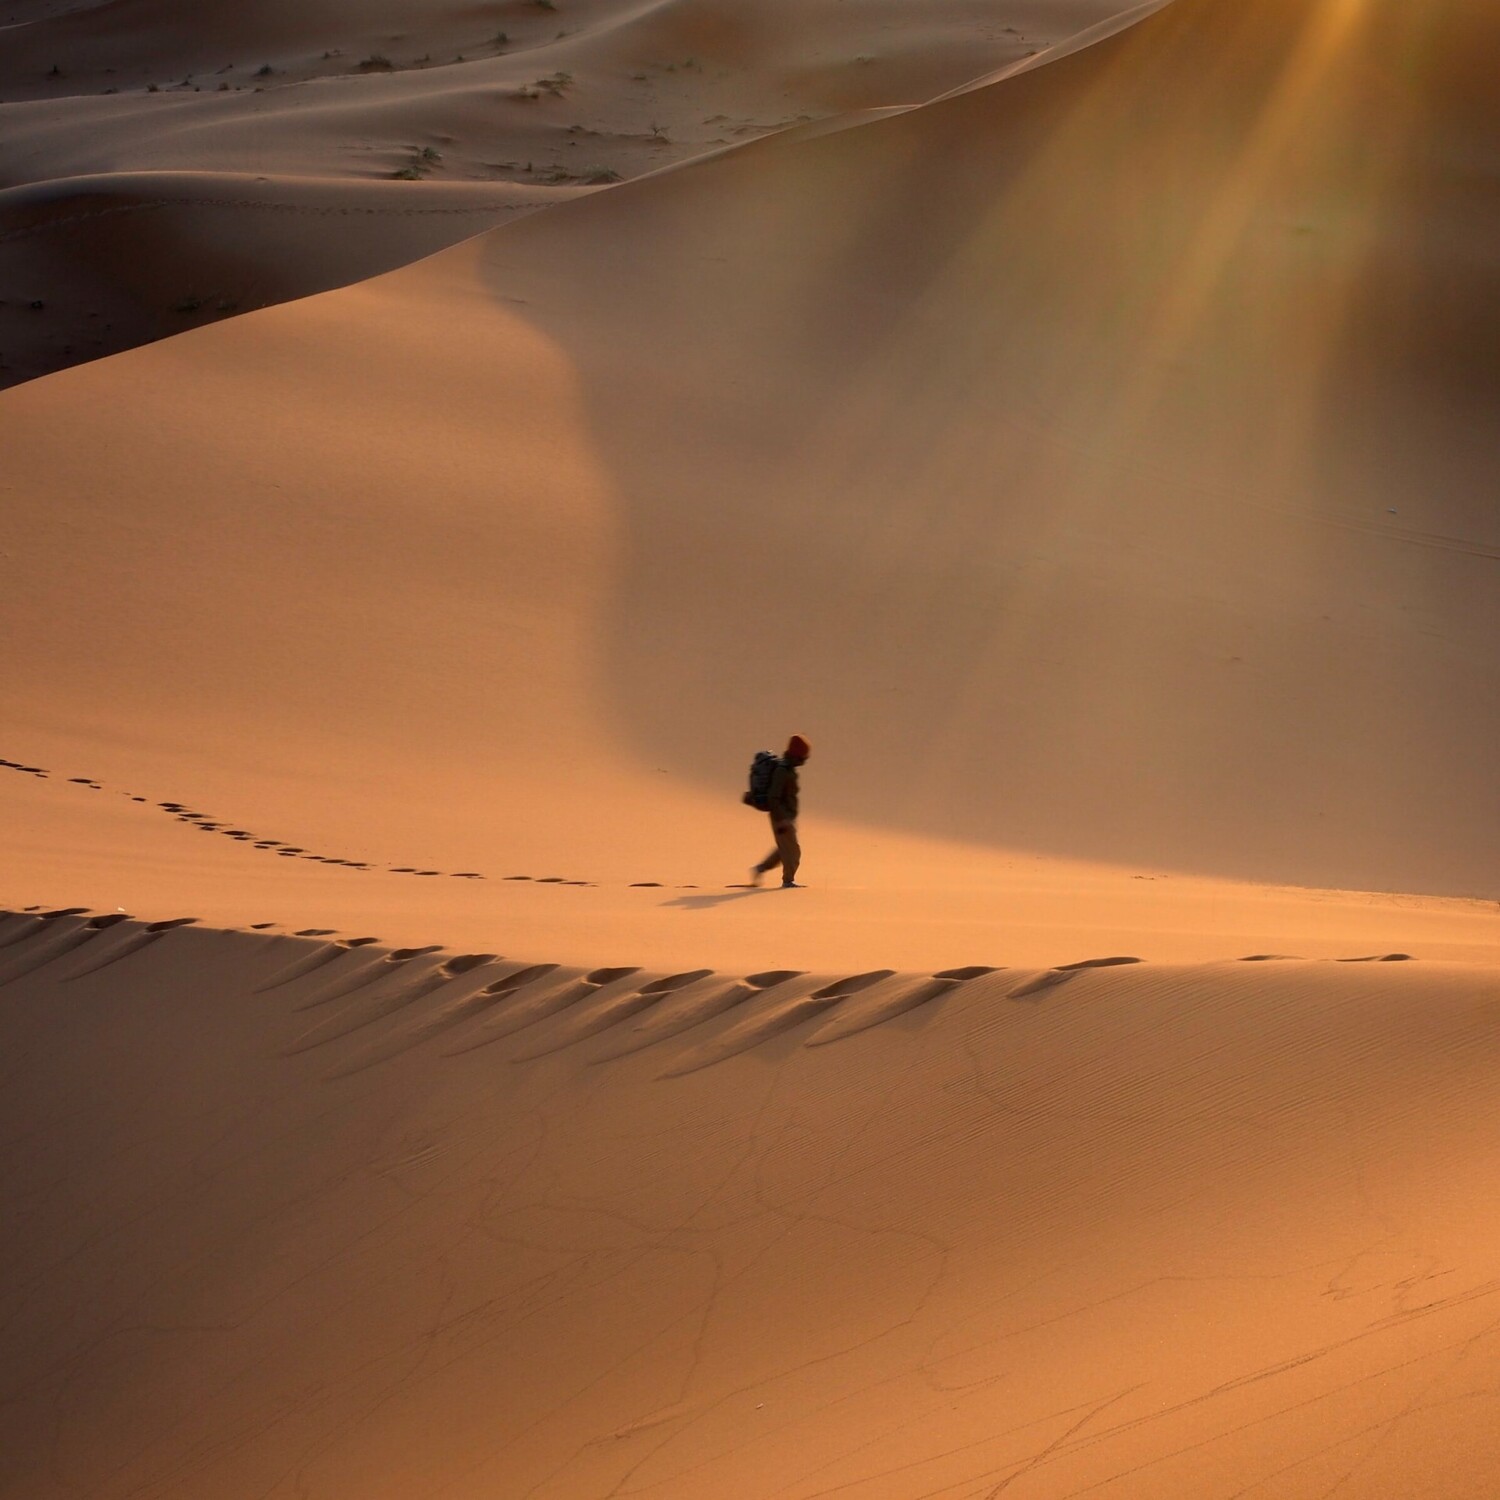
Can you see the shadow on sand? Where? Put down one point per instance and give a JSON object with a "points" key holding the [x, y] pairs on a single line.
{"points": [[734, 893]]}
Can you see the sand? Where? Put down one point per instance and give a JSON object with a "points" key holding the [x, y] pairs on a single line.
{"points": [[296, 1218], [1076, 425], [163, 166]]}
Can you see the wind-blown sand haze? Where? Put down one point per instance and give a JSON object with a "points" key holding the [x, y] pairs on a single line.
{"points": [[1077, 424]]}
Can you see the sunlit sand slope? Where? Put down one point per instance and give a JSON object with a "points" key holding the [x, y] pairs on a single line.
{"points": [[1104, 452], [293, 1217], [1096, 462]]}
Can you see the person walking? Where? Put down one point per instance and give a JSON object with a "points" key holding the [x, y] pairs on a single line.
{"points": [[781, 804]]}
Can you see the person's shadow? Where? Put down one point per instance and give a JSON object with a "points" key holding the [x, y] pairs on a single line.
{"points": [[702, 903]]}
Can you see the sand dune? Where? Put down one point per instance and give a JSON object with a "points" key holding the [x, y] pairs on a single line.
{"points": [[124, 108], [113, 261], [1054, 491], [405, 1092], [1202, 1230]]}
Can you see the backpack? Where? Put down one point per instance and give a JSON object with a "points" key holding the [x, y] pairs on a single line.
{"points": [[762, 769]]}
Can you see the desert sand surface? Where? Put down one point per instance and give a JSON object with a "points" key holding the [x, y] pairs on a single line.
{"points": [[165, 165], [1078, 425]]}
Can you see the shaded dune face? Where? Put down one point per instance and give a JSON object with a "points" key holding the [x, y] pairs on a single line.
{"points": [[1166, 1230], [1100, 454], [109, 261]]}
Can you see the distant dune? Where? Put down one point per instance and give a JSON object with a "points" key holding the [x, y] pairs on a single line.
{"points": [[1076, 423], [165, 165]]}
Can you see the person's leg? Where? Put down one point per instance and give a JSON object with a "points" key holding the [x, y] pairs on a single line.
{"points": [[772, 859], [788, 852]]}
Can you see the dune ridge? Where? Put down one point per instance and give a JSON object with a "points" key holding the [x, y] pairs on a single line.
{"points": [[525, 994]]}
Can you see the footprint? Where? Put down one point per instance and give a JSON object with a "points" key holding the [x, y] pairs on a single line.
{"points": [[134, 942], [27, 926], [674, 1016], [645, 885], [54, 940], [466, 961], [528, 1012], [1377, 958], [445, 1016], [852, 1019], [131, 943], [1270, 958], [15, 765], [763, 1025], [1051, 978], [320, 957], [840, 988], [371, 1009], [612, 1012], [519, 980], [1048, 979], [364, 977]]}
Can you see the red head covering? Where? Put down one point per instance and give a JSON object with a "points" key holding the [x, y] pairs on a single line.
{"points": [[797, 748]]}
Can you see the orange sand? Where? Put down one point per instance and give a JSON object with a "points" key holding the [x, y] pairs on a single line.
{"points": [[1088, 448]]}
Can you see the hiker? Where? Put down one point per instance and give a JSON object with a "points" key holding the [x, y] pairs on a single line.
{"points": [[781, 804]]}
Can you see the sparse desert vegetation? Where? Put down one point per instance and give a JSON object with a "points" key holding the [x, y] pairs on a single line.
{"points": [[423, 160]]}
